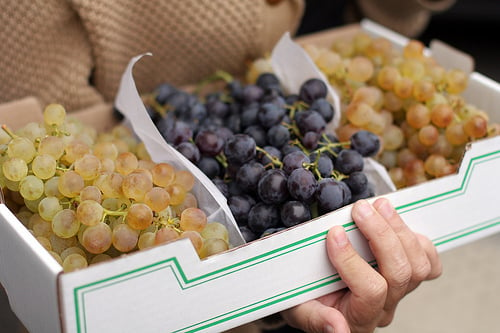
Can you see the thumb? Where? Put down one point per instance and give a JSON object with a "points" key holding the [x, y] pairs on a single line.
{"points": [[315, 317]]}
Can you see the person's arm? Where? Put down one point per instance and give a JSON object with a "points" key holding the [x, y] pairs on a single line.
{"points": [[404, 259], [409, 17]]}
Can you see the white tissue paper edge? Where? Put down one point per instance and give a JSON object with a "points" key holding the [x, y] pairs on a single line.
{"points": [[293, 66], [213, 202]]}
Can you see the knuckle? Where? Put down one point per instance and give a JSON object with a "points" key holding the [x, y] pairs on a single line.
{"points": [[422, 271], [401, 278], [377, 290]]}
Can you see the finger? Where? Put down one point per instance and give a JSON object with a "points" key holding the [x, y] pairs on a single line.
{"points": [[368, 289], [387, 248], [313, 316], [432, 255], [417, 256]]}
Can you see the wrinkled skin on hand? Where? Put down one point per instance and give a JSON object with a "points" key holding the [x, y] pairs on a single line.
{"points": [[405, 259]]}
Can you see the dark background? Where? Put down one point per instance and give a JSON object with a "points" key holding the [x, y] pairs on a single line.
{"points": [[472, 26]]}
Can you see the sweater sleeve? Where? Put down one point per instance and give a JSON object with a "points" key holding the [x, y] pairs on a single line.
{"points": [[409, 18]]}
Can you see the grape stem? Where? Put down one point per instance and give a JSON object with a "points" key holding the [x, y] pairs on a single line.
{"points": [[274, 160], [218, 75], [120, 212], [8, 131], [221, 158], [157, 107], [172, 222]]}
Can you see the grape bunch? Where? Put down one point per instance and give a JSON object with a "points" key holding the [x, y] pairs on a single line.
{"points": [[406, 98], [269, 152], [89, 197]]}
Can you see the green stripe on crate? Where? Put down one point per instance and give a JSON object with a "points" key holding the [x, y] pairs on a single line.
{"points": [[186, 283]]}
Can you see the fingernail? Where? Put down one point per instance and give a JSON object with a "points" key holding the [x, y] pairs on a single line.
{"points": [[339, 236], [363, 208], [329, 329], [385, 209]]}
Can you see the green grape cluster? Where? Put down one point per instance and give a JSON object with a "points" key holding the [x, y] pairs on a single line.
{"points": [[405, 97], [88, 197]]}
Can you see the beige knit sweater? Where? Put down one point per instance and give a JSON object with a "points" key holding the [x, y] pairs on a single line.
{"points": [[74, 51]]}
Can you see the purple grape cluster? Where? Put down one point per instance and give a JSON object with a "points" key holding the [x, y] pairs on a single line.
{"points": [[267, 151]]}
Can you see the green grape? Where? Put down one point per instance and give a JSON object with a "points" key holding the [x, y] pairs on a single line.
{"points": [[139, 216], [44, 242], [51, 188], [91, 192], [360, 69], [455, 133], [212, 246], [101, 257], [418, 115], [97, 238], [107, 165], [126, 162], [428, 135], [163, 174], [88, 166], [70, 184], [403, 87], [31, 187], [193, 219], [56, 256], [48, 208], [189, 201], [51, 145], [14, 169], [74, 262], [125, 238], [476, 126], [397, 177], [370, 95], [74, 150], [423, 90], [60, 244], [393, 137], [42, 228], [44, 166], [414, 49], [105, 150], [157, 199], [21, 147], [54, 115], [442, 115], [195, 238], [177, 194], [215, 230], [32, 205], [73, 249], [89, 212], [456, 81], [31, 130], [442, 147], [165, 235], [136, 184], [185, 179], [65, 223], [434, 164], [413, 69], [146, 240], [110, 185], [24, 215], [359, 114], [387, 77]]}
